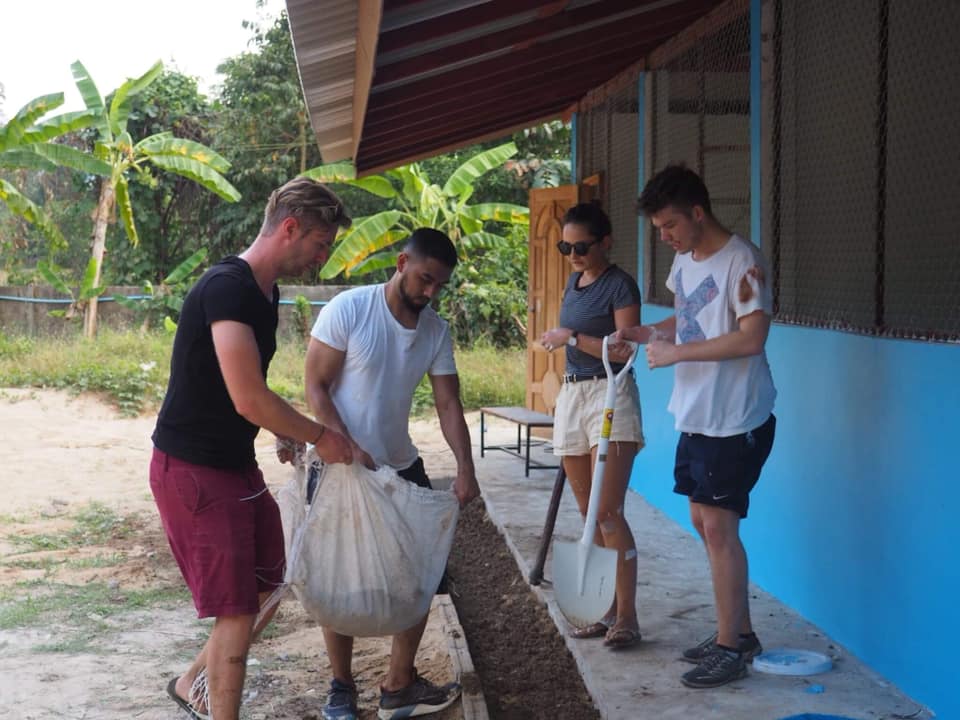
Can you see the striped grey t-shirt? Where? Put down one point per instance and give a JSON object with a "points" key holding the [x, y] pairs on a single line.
{"points": [[589, 310]]}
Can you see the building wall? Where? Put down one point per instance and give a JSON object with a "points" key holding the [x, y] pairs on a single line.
{"points": [[851, 523]]}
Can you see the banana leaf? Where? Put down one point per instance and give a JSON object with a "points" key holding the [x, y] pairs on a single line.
{"points": [[366, 236], [199, 173], [125, 207], [22, 206], [463, 177], [166, 144]]}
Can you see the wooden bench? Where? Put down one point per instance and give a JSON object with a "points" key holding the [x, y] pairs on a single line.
{"points": [[523, 418]]}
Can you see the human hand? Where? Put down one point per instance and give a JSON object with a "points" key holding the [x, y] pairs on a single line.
{"points": [[661, 354], [557, 337], [620, 352], [332, 447], [290, 450], [362, 456], [465, 487]]}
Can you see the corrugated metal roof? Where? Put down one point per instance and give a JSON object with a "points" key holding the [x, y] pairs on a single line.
{"points": [[449, 72]]}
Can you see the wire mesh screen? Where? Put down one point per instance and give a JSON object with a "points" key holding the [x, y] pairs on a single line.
{"points": [[700, 116], [865, 164], [609, 138]]}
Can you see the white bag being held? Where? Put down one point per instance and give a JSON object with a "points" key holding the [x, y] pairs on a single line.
{"points": [[366, 557]]}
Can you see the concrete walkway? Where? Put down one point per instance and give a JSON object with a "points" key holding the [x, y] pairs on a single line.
{"points": [[675, 607]]}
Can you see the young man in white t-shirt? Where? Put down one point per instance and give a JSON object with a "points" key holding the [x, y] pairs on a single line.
{"points": [[370, 348], [722, 399]]}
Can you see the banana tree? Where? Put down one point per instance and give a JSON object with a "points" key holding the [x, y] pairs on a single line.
{"points": [[166, 299], [26, 142], [124, 157], [368, 244]]}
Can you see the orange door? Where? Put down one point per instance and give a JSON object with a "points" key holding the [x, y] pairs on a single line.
{"points": [[548, 276]]}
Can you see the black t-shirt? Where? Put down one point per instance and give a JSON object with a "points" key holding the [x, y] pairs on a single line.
{"points": [[589, 310], [198, 422]]}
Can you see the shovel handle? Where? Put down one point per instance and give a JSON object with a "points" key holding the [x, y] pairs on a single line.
{"points": [[610, 401]]}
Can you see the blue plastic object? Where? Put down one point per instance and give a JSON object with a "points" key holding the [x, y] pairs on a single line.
{"points": [[811, 716]]}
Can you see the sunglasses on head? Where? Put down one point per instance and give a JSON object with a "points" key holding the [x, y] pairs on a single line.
{"points": [[580, 248]]}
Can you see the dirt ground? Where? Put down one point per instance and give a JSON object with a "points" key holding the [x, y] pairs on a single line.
{"points": [[95, 626], [526, 670], [94, 617]]}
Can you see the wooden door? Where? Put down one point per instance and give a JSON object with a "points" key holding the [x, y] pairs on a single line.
{"points": [[547, 277]]}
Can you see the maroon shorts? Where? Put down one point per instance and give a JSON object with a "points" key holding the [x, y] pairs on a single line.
{"points": [[224, 530]]}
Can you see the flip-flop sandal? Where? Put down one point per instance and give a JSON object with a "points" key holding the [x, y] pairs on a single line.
{"points": [[597, 629], [619, 638], [184, 705]]}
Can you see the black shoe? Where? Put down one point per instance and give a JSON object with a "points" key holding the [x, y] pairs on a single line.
{"points": [[341, 702], [716, 669], [749, 647], [421, 697]]}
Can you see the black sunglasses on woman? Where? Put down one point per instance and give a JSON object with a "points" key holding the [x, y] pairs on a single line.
{"points": [[580, 248]]}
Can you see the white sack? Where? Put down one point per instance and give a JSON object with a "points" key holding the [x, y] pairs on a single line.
{"points": [[365, 559]]}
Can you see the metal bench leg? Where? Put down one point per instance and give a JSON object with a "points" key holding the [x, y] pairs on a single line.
{"points": [[527, 471], [482, 433]]}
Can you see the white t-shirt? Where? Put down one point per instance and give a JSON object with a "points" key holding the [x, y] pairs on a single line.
{"points": [[726, 397], [384, 363]]}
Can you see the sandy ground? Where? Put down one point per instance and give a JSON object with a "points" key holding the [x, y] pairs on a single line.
{"points": [[58, 454]]}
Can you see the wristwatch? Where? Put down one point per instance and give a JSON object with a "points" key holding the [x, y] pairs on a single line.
{"points": [[572, 340]]}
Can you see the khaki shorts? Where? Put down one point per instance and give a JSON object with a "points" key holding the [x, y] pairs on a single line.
{"points": [[577, 420]]}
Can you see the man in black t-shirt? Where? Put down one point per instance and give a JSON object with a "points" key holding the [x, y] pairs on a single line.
{"points": [[222, 523]]}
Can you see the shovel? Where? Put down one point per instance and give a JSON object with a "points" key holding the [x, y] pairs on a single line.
{"points": [[584, 574]]}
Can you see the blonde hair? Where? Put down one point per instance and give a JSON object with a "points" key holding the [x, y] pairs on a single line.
{"points": [[308, 200]]}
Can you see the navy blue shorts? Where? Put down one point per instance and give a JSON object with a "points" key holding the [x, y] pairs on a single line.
{"points": [[721, 471]]}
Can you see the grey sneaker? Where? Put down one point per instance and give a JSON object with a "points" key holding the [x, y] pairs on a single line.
{"points": [[716, 669], [421, 697], [341, 702], [749, 648]]}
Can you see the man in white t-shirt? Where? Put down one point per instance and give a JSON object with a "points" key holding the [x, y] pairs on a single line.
{"points": [[722, 399], [370, 348]]}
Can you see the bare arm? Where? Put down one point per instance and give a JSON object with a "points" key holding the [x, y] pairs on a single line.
{"points": [[748, 339], [623, 318], [666, 329], [239, 360], [446, 395], [323, 366]]}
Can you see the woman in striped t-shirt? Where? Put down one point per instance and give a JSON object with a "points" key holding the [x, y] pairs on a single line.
{"points": [[599, 299]]}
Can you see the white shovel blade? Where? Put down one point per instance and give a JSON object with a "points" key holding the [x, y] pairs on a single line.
{"points": [[599, 567]]}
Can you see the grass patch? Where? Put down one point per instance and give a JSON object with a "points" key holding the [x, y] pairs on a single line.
{"points": [[286, 370], [6, 519], [97, 561], [95, 524], [488, 376], [78, 614], [130, 368]]}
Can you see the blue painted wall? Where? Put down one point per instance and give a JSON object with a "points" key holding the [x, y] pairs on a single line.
{"points": [[851, 523]]}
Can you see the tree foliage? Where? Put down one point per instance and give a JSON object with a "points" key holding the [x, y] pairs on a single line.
{"points": [[256, 121]]}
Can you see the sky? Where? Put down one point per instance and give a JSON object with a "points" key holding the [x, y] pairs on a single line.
{"points": [[116, 39]]}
